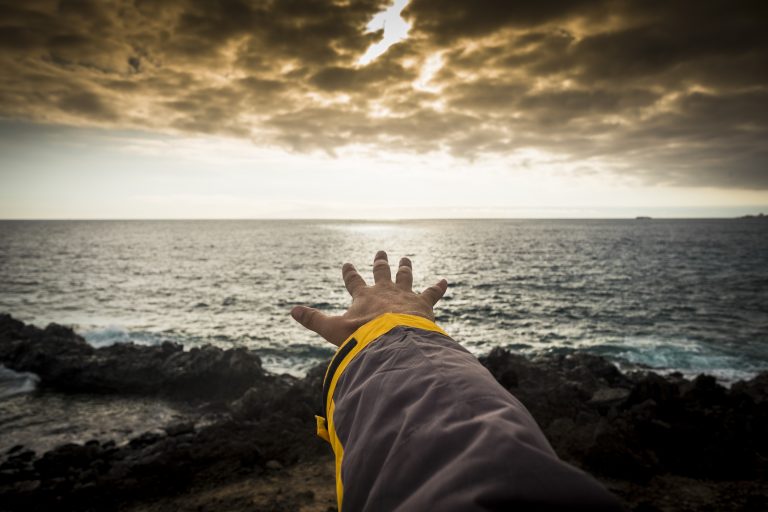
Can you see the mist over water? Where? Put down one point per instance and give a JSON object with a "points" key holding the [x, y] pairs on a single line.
{"points": [[687, 295]]}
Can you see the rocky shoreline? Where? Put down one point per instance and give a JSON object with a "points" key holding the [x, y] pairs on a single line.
{"points": [[659, 443]]}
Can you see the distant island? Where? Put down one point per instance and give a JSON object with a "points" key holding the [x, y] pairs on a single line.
{"points": [[642, 217], [758, 216]]}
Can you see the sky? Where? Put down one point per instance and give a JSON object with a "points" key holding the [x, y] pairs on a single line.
{"points": [[373, 109]]}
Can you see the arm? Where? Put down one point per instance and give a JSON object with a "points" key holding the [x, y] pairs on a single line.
{"points": [[417, 423]]}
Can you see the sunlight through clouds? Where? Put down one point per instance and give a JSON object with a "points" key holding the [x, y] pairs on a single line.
{"points": [[501, 108], [395, 30], [428, 72]]}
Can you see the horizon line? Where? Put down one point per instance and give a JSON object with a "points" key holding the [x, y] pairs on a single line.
{"points": [[361, 219]]}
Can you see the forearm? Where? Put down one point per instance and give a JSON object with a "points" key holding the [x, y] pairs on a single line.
{"points": [[417, 423]]}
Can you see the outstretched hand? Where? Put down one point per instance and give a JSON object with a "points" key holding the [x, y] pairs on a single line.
{"points": [[368, 302]]}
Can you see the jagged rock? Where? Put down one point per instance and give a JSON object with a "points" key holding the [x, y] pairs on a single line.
{"points": [[181, 428], [639, 431], [636, 426], [66, 362], [756, 389], [548, 392], [608, 397]]}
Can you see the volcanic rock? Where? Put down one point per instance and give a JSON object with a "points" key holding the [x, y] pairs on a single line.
{"points": [[66, 362]]}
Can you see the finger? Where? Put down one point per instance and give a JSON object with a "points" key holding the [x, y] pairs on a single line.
{"points": [[435, 292], [404, 277], [314, 320], [352, 280], [381, 272]]}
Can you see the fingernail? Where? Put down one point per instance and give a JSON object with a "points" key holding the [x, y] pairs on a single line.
{"points": [[296, 313]]}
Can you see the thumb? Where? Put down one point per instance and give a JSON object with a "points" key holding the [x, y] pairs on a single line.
{"points": [[435, 292], [312, 319]]}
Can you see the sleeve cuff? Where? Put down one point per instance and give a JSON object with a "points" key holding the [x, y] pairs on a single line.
{"points": [[361, 338]]}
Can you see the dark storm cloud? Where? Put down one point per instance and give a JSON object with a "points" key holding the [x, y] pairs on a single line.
{"points": [[449, 20], [676, 90], [86, 104], [673, 92]]}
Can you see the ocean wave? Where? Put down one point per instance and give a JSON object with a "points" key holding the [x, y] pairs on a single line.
{"points": [[553, 285], [295, 359], [687, 356], [14, 383], [110, 335]]}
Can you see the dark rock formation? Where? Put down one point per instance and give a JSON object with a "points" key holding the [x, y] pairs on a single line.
{"points": [[99, 475], [660, 443], [67, 363], [639, 426]]}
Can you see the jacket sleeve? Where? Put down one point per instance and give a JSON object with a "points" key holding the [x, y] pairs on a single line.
{"points": [[417, 423]]}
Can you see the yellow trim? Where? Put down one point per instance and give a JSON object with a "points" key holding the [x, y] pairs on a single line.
{"points": [[322, 430], [364, 335], [338, 451], [371, 331]]}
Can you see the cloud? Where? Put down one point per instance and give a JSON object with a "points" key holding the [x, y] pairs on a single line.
{"points": [[86, 104], [663, 91]]}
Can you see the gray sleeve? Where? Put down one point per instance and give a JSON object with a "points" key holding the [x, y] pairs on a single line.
{"points": [[424, 426]]}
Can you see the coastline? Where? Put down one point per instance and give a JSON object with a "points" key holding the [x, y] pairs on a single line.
{"points": [[658, 442]]}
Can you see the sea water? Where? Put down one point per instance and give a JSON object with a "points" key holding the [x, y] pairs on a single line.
{"points": [[675, 295]]}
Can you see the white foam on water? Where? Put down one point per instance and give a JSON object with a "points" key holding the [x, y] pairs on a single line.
{"points": [[687, 356], [15, 383], [106, 336], [112, 334]]}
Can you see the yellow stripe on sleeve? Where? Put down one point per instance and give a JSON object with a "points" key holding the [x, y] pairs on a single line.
{"points": [[364, 335]]}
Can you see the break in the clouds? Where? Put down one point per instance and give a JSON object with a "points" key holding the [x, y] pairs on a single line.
{"points": [[672, 92]]}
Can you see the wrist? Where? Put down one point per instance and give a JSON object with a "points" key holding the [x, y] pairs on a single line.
{"points": [[354, 344]]}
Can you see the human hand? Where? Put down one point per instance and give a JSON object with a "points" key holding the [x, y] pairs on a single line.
{"points": [[368, 302]]}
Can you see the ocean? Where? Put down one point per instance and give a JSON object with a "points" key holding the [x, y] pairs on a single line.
{"points": [[673, 295]]}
